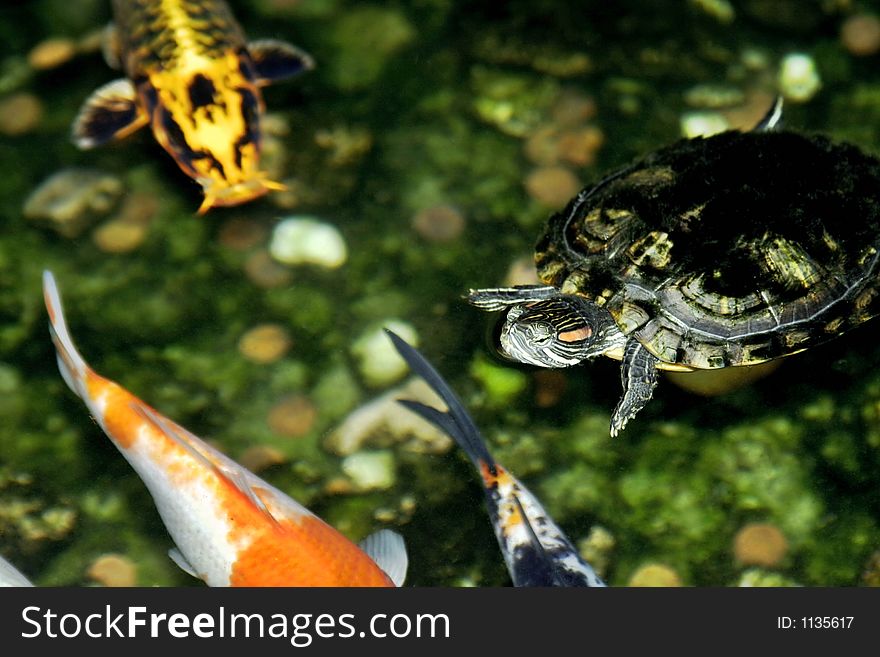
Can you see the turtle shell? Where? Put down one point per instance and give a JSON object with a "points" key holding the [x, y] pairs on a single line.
{"points": [[727, 250]]}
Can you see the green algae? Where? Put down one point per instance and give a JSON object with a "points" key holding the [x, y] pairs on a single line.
{"points": [[446, 93]]}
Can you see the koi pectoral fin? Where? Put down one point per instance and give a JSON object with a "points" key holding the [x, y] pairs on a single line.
{"points": [[111, 112], [387, 549], [277, 60]]}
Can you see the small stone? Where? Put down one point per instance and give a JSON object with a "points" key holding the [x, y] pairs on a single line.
{"points": [[260, 457], [552, 186], [293, 417], [92, 41], [378, 361], [241, 234], [573, 108], [265, 343], [522, 272], [860, 35], [542, 146], [339, 486], [306, 240], [370, 470], [713, 96], [441, 223], [72, 198], [760, 544], [119, 236], [384, 421], [702, 124], [113, 570], [264, 272], [51, 53], [20, 113], [871, 571], [579, 147], [655, 574], [720, 10], [128, 229], [596, 548], [798, 78]]}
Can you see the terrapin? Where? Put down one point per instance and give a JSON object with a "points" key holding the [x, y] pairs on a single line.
{"points": [[722, 251]]}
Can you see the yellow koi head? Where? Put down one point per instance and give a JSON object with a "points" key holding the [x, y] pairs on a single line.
{"points": [[206, 114]]}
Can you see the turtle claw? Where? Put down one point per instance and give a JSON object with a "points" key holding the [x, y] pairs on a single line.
{"points": [[638, 376]]}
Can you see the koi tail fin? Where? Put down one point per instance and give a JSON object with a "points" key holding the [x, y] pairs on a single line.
{"points": [[71, 364], [456, 422]]}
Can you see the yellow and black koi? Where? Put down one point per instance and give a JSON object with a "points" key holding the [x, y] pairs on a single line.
{"points": [[535, 549], [194, 79]]}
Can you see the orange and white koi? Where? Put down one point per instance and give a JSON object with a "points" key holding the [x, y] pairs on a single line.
{"points": [[11, 576], [194, 79], [537, 552], [230, 527]]}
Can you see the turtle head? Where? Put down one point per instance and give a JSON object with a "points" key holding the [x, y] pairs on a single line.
{"points": [[557, 332]]}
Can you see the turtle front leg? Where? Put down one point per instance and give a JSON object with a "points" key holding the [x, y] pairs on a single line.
{"points": [[499, 298], [638, 376]]}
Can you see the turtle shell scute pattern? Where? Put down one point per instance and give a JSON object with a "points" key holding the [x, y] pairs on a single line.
{"points": [[728, 250]]}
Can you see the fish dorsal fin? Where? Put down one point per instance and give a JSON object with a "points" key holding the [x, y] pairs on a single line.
{"points": [[237, 477], [178, 558], [388, 550], [277, 60], [111, 112]]}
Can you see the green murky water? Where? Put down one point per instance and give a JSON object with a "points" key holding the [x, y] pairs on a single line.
{"points": [[414, 106]]}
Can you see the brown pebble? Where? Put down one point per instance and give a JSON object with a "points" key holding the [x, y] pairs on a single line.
{"points": [[522, 272], [860, 35], [265, 343], [579, 147], [118, 236], [293, 416], [871, 571], [339, 486], [760, 544], [113, 570], [655, 574], [19, 114], [552, 186], [542, 146], [51, 53], [259, 457], [573, 108], [241, 234], [550, 385], [128, 229], [441, 223], [265, 272]]}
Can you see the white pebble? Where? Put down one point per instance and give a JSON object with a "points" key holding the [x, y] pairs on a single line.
{"points": [[378, 361], [798, 78], [702, 124], [305, 240], [370, 470]]}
